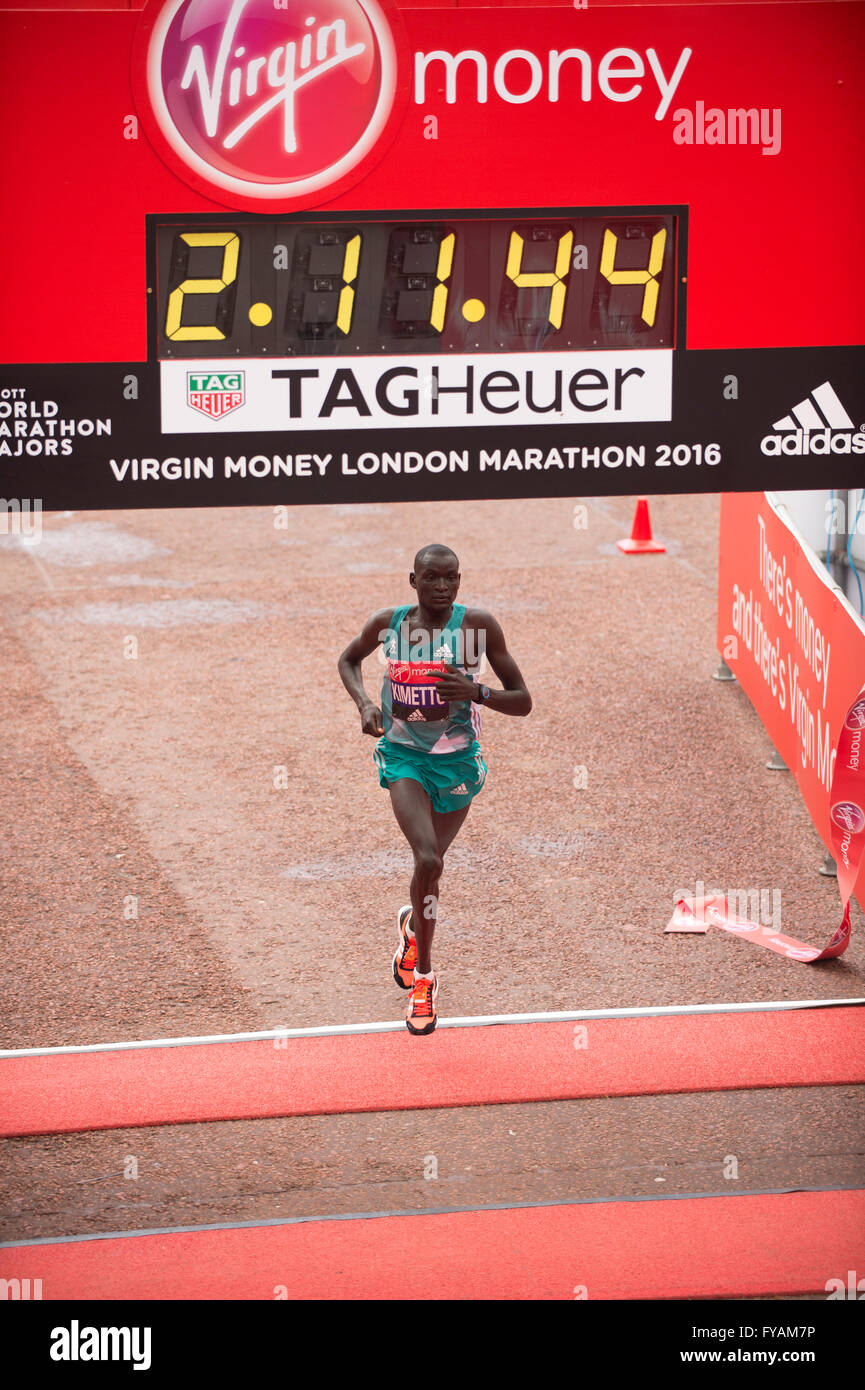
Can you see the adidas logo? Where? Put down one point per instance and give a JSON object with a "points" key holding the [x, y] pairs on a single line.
{"points": [[417, 715], [443, 654], [817, 425], [461, 790]]}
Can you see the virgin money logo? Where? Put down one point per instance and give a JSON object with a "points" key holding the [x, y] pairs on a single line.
{"points": [[406, 670], [856, 718], [848, 816], [271, 102]]}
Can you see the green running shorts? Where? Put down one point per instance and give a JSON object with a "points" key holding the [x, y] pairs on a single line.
{"points": [[450, 780]]}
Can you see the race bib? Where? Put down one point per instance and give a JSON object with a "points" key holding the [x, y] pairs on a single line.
{"points": [[414, 691]]}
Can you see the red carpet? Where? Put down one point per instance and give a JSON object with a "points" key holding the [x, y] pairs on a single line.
{"points": [[455, 1066], [693, 1248]]}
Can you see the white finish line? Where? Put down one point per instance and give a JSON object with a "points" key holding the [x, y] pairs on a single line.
{"points": [[479, 1021]]}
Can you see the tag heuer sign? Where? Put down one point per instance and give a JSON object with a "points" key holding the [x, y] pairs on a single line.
{"points": [[215, 393]]}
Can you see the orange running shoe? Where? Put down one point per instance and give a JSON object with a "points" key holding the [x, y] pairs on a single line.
{"points": [[405, 955], [421, 1014]]}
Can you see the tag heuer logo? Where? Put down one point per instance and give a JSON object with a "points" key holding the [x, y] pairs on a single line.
{"points": [[215, 393]]}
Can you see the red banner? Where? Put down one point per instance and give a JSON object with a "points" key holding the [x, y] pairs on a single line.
{"points": [[792, 641], [798, 651]]}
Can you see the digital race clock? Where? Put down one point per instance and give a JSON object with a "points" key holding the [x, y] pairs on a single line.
{"points": [[252, 285]]}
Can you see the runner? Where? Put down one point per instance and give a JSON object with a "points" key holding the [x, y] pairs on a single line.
{"points": [[428, 754]]}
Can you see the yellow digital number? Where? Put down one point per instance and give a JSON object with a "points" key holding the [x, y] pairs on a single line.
{"points": [[346, 294], [174, 329], [443, 270], [542, 278], [647, 277]]}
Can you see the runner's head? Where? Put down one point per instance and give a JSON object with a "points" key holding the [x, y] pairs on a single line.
{"points": [[436, 577]]}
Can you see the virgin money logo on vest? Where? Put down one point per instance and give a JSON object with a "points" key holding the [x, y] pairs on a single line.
{"points": [[414, 670], [270, 102]]}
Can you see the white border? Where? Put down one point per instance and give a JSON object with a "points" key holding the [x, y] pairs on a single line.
{"points": [[327, 1030], [273, 191]]}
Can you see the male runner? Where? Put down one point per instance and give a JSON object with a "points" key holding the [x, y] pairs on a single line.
{"points": [[428, 755]]}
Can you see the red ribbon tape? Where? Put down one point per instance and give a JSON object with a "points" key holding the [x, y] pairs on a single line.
{"points": [[847, 832]]}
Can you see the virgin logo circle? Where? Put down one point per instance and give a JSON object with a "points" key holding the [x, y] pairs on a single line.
{"points": [[271, 101], [856, 718], [848, 816]]}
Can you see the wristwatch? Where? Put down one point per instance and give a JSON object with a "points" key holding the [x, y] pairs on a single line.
{"points": [[480, 694]]}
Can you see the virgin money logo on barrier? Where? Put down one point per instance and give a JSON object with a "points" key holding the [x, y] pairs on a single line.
{"points": [[271, 102], [856, 718], [848, 816]]}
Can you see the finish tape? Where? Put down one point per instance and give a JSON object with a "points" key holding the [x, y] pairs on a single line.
{"points": [[847, 833]]}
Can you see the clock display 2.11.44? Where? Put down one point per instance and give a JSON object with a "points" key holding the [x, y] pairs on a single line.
{"points": [[250, 286]]}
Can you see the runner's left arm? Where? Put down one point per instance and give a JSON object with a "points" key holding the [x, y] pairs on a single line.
{"points": [[514, 697]]}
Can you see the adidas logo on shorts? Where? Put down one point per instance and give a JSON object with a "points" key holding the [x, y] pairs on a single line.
{"points": [[417, 715], [461, 790]]}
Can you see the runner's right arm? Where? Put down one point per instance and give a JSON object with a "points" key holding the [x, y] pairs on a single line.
{"points": [[349, 667]]}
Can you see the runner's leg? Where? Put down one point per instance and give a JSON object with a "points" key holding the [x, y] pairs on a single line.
{"points": [[447, 824], [413, 810]]}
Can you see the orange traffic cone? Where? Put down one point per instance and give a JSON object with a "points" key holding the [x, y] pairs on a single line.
{"points": [[641, 541]]}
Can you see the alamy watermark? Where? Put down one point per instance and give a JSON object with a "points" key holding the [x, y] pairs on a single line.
{"points": [[21, 516], [761, 905], [838, 523], [458, 648], [853, 1288], [20, 1290]]}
